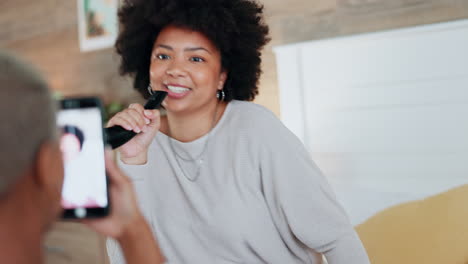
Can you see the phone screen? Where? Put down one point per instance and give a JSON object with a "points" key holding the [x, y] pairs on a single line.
{"points": [[81, 142]]}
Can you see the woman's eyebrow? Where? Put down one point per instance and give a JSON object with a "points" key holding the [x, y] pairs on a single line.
{"points": [[164, 46], [186, 49], [197, 48]]}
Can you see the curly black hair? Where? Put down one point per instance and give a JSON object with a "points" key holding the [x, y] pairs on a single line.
{"points": [[236, 27], [74, 130]]}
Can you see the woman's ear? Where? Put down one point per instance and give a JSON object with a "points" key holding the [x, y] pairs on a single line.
{"points": [[222, 79]]}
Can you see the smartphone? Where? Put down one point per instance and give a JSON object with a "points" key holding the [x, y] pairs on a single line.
{"points": [[85, 191]]}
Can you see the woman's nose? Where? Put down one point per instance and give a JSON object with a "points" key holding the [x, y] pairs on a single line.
{"points": [[176, 69]]}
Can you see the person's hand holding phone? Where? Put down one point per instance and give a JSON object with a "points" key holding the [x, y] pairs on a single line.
{"points": [[125, 223], [124, 213], [144, 122]]}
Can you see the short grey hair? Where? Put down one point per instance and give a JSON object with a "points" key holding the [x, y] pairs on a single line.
{"points": [[27, 115]]}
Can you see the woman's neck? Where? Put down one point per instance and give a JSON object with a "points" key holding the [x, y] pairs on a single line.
{"points": [[191, 126]]}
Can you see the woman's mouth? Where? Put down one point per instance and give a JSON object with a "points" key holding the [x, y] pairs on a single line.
{"points": [[177, 89], [177, 92]]}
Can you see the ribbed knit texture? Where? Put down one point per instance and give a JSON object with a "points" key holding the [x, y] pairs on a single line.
{"points": [[259, 197]]}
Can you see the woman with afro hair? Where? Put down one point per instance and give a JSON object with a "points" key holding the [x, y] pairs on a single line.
{"points": [[220, 179]]}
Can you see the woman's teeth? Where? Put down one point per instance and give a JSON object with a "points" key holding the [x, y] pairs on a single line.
{"points": [[176, 89]]}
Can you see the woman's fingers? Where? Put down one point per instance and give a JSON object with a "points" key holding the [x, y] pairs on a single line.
{"points": [[155, 117], [131, 118], [127, 121], [140, 109], [121, 119], [137, 118]]}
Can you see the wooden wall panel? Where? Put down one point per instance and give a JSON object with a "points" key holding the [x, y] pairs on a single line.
{"points": [[45, 32]]}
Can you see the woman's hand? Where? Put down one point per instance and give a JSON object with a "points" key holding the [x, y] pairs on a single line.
{"points": [[144, 122]]}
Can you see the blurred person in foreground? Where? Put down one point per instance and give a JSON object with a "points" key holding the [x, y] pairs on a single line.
{"points": [[31, 176]]}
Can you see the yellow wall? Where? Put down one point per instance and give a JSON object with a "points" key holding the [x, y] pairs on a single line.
{"points": [[431, 231]]}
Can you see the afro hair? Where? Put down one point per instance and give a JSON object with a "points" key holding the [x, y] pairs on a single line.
{"points": [[235, 27]]}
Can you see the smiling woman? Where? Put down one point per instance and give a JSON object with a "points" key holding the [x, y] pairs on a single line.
{"points": [[221, 179], [187, 65]]}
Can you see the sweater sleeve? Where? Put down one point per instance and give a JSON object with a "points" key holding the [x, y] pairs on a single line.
{"points": [[114, 252], [137, 174], [300, 198]]}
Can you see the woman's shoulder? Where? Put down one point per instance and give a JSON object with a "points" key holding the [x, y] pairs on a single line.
{"points": [[257, 120], [250, 112]]}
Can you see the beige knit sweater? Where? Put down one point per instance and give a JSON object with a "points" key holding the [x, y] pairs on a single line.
{"points": [[259, 198]]}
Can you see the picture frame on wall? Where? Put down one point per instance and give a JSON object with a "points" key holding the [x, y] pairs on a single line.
{"points": [[97, 24]]}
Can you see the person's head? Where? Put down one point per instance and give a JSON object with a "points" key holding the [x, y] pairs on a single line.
{"points": [[30, 161], [203, 45], [71, 141]]}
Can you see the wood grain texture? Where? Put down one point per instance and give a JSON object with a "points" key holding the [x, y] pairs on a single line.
{"points": [[45, 32]]}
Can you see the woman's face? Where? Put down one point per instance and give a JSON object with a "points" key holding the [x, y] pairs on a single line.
{"points": [[70, 146], [187, 65]]}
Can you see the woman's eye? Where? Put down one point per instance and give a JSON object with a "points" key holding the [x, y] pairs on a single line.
{"points": [[161, 57], [197, 59]]}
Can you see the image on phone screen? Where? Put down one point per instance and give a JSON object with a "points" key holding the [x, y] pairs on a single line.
{"points": [[82, 146]]}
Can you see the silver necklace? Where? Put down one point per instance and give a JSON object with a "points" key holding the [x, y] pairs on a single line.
{"points": [[199, 159]]}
